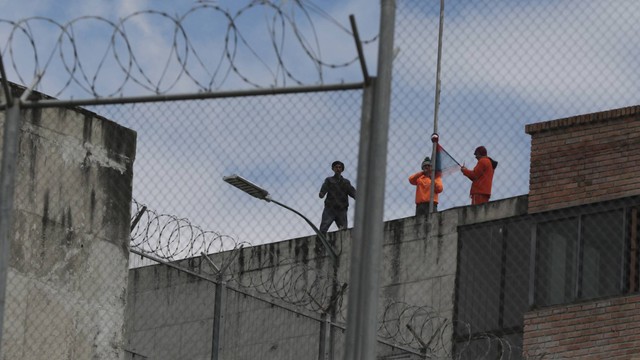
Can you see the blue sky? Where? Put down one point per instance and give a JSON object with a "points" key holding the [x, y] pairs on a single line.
{"points": [[505, 64]]}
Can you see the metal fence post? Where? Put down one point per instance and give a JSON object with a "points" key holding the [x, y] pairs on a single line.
{"points": [[366, 258], [218, 318], [325, 338], [7, 188]]}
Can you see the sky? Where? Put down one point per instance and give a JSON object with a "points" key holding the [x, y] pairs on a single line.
{"points": [[505, 64]]}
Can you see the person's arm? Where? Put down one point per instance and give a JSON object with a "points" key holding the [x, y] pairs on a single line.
{"points": [[477, 171], [351, 190], [438, 187], [468, 173], [413, 179], [323, 189]]}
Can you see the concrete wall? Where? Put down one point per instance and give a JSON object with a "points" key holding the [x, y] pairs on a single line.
{"points": [[419, 269], [603, 329], [584, 159], [69, 250], [171, 316]]}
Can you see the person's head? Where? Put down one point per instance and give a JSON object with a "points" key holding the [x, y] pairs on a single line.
{"points": [[426, 164], [480, 152], [337, 167]]}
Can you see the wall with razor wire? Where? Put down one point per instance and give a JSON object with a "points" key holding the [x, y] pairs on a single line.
{"points": [[273, 91], [273, 290]]}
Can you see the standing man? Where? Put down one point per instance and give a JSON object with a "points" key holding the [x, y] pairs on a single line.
{"points": [[422, 181], [338, 190], [481, 176]]}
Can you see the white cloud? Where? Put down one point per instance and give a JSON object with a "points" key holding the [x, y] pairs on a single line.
{"points": [[543, 51]]}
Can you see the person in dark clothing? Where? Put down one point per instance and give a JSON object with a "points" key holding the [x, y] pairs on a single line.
{"points": [[337, 189]]}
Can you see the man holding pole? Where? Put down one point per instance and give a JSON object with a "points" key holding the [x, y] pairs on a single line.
{"points": [[422, 182]]}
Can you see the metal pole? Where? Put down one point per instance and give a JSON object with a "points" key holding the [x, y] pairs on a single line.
{"points": [[434, 157], [357, 246], [356, 37], [323, 239], [5, 84], [192, 96], [368, 233], [7, 188], [324, 352], [218, 317]]}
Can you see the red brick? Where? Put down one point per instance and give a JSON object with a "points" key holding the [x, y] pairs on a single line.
{"points": [[587, 151], [588, 330]]}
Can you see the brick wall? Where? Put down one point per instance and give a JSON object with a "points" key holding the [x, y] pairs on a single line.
{"points": [[605, 329], [584, 159]]}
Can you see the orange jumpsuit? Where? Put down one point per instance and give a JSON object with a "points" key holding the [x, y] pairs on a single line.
{"points": [[423, 187], [482, 178]]}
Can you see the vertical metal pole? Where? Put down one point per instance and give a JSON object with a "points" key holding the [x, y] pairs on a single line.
{"points": [[7, 188], [436, 109], [325, 338], [532, 262], [333, 312], [633, 261], [218, 318], [357, 243], [368, 233]]}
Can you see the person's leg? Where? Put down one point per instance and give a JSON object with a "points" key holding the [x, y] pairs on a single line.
{"points": [[477, 199], [341, 219], [422, 209], [327, 219]]}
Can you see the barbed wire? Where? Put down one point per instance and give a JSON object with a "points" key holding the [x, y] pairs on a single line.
{"points": [[307, 285], [423, 328], [172, 238], [129, 60], [293, 282]]}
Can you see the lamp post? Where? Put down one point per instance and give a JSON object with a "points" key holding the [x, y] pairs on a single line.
{"points": [[262, 194], [326, 337]]}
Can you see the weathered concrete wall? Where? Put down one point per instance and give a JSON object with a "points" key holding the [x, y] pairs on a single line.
{"points": [[171, 316], [419, 269], [69, 251]]}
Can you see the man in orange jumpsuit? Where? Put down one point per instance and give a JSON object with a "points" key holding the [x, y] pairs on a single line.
{"points": [[481, 176], [422, 181]]}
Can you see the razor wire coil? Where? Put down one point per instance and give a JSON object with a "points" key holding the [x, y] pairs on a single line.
{"points": [[303, 285], [186, 64]]}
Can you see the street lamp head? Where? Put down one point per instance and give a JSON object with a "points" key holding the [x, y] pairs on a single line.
{"points": [[262, 194], [247, 186]]}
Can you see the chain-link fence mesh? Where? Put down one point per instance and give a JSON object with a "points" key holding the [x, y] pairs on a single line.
{"points": [[88, 189]]}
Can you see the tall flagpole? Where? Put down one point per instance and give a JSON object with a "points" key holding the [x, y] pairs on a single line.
{"points": [[434, 137]]}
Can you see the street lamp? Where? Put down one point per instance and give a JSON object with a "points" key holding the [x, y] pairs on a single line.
{"points": [[262, 194]]}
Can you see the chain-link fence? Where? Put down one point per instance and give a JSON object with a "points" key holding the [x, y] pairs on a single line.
{"points": [[190, 310], [455, 285]]}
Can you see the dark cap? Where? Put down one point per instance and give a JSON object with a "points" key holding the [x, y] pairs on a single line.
{"points": [[426, 161], [480, 150], [337, 162]]}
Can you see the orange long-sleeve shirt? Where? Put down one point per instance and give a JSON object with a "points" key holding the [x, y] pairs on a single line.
{"points": [[481, 176], [423, 187]]}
